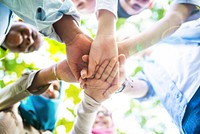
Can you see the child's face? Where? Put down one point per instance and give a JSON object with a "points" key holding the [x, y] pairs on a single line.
{"points": [[53, 91], [85, 6], [23, 38], [103, 120], [134, 7]]}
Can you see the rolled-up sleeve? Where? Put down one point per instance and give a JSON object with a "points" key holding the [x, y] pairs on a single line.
{"points": [[17, 91], [42, 13], [110, 5], [150, 93], [193, 2], [86, 115]]}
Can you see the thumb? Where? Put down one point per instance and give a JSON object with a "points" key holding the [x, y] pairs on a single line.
{"points": [[91, 67], [122, 60]]}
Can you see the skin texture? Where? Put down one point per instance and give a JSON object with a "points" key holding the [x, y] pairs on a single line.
{"points": [[23, 38], [134, 7], [77, 43], [161, 29], [104, 83], [104, 45]]}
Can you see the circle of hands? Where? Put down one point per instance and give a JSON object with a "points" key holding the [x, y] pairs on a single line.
{"points": [[96, 65]]}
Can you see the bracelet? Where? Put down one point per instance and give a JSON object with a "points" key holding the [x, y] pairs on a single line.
{"points": [[123, 86], [54, 71]]}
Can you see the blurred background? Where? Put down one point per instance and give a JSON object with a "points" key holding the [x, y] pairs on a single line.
{"points": [[129, 115]]}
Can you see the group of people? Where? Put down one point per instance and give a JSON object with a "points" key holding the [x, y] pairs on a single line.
{"points": [[171, 71]]}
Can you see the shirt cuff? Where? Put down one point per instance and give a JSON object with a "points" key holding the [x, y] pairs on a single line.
{"points": [[86, 115], [150, 93], [110, 5]]}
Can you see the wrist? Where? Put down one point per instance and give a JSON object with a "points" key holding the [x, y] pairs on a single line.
{"points": [[55, 72], [67, 28]]}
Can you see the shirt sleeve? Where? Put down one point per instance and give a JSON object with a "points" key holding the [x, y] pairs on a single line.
{"points": [[193, 2], [150, 93], [17, 91], [42, 13], [110, 5], [86, 115]]}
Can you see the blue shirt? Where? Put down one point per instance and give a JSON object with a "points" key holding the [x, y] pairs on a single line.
{"points": [[173, 70], [5, 23], [42, 13], [193, 2]]}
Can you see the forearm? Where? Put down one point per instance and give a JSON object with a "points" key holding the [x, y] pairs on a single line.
{"points": [[67, 29], [47, 75], [107, 22], [34, 83], [176, 15], [86, 115]]}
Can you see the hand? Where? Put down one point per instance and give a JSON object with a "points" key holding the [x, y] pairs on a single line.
{"points": [[102, 85], [77, 43], [78, 47], [103, 47]]}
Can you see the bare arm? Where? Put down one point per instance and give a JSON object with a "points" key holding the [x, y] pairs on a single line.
{"points": [[77, 43], [34, 83], [104, 45], [45, 76], [173, 19]]}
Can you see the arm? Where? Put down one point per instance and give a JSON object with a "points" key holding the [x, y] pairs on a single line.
{"points": [[77, 43], [162, 29], [58, 20], [96, 91], [104, 45], [135, 88], [33, 83], [42, 14]]}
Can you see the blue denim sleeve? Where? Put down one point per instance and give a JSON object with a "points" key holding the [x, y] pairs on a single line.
{"points": [[150, 94], [193, 2], [42, 13]]}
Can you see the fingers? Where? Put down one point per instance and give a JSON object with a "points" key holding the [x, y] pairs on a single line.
{"points": [[91, 67], [122, 60], [110, 91], [82, 83], [83, 73], [85, 58], [113, 74], [101, 69], [108, 70]]}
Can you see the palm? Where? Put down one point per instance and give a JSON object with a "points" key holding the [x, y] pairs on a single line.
{"points": [[98, 90], [104, 47]]}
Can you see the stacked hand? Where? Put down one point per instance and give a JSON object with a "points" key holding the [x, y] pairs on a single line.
{"points": [[104, 83], [79, 46]]}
